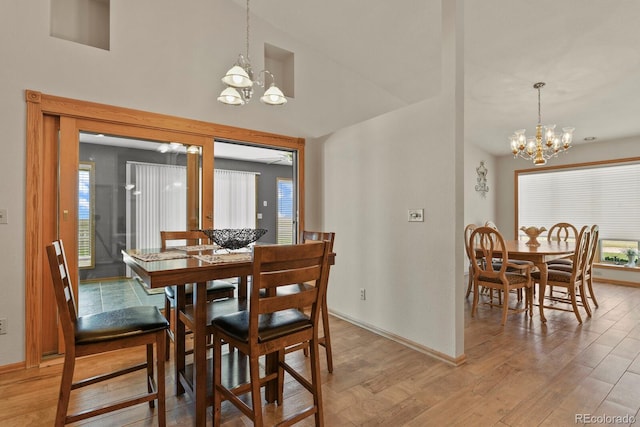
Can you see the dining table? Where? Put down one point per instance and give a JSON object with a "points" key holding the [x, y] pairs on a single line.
{"points": [[540, 255], [197, 264]]}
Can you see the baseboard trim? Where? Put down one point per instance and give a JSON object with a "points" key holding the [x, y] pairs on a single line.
{"points": [[13, 367], [457, 361]]}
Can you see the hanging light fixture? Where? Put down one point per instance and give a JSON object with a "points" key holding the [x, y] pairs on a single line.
{"points": [[240, 82], [541, 147]]}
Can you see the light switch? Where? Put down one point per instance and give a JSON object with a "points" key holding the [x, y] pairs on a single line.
{"points": [[264, 203], [259, 215], [3, 216]]}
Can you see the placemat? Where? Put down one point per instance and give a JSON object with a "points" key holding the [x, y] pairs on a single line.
{"points": [[222, 258], [195, 248], [160, 256]]}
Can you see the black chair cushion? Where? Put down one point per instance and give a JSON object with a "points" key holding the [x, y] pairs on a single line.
{"points": [[119, 323], [270, 326], [212, 286]]}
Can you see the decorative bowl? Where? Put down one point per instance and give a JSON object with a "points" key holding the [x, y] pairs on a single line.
{"points": [[533, 233], [235, 238]]}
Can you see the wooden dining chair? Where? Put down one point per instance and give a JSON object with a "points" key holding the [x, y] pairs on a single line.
{"points": [[215, 289], [493, 270], [588, 267], [562, 232], [572, 281], [467, 234], [101, 333], [273, 323], [325, 339]]}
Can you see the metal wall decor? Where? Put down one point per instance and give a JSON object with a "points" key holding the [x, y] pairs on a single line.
{"points": [[481, 186]]}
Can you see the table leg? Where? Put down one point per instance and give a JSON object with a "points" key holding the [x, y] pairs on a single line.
{"points": [[179, 338], [543, 288], [242, 287], [200, 375]]}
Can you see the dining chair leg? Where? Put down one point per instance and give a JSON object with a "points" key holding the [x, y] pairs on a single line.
{"points": [[150, 373], [256, 398], [474, 307], [316, 382], [505, 307], [167, 315], [217, 371], [591, 294], [327, 337], [469, 283], [160, 382], [65, 388], [574, 303], [585, 300]]}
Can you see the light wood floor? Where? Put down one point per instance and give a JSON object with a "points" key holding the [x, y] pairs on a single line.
{"points": [[523, 374]]}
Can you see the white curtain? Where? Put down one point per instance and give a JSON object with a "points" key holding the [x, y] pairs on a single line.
{"points": [[234, 199], [157, 200]]}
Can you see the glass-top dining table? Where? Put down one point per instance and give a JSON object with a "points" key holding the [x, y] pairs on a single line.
{"points": [[197, 265]]}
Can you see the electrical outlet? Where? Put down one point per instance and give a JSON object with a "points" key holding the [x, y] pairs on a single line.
{"points": [[3, 326], [3, 216], [363, 294]]}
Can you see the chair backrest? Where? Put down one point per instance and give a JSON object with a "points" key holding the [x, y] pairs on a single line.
{"points": [[593, 245], [488, 251], [562, 232], [491, 224], [467, 234], [63, 289], [319, 236], [581, 254], [281, 265], [194, 237]]}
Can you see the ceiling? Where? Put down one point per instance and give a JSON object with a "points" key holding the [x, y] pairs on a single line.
{"points": [[588, 53]]}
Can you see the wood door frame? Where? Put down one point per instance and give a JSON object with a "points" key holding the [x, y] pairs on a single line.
{"points": [[109, 120]]}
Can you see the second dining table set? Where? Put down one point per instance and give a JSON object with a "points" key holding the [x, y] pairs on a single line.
{"points": [[561, 265], [266, 318]]}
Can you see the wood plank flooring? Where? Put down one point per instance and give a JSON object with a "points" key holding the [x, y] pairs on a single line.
{"points": [[525, 374]]}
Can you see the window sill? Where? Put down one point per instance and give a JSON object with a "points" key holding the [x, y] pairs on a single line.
{"points": [[617, 267]]}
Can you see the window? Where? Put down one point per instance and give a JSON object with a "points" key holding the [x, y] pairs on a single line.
{"points": [[607, 195], [86, 241], [234, 199], [285, 211]]}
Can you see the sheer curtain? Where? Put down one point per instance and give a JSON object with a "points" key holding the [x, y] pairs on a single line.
{"points": [[234, 199], [156, 200]]}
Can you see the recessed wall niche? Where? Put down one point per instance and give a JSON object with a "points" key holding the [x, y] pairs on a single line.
{"points": [[280, 62], [81, 21]]}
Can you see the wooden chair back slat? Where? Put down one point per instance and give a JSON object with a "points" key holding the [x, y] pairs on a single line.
{"points": [[193, 237], [63, 289], [562, 232]]}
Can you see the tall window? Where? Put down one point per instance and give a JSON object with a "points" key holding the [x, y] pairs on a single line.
{"points": [[607, 195], [86, 241], [285, 211]]}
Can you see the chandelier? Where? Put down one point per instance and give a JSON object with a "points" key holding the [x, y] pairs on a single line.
{"points": [[541, 147], [240, 81]]}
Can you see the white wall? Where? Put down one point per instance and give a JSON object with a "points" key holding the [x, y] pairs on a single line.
{"points": [[580, 153], [373, 173], [479, 209]]}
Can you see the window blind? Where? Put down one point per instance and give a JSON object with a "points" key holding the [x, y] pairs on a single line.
{"points": [[608, 196]]}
